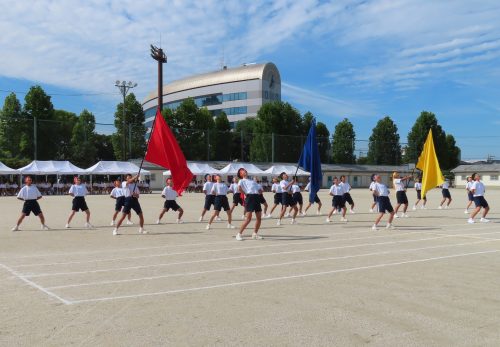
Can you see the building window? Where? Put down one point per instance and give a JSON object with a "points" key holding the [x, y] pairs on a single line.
{"points": [[153, 177], [493, 177], [234, 96], [464, 177]]}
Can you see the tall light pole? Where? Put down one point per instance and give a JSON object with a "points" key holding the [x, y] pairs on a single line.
{"points": [[124, 88]]}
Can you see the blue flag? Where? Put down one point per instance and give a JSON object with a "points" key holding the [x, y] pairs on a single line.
{"points": [[310, 161]]}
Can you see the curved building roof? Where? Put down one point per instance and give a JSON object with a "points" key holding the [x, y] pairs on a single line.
{"points": [[226, 75]]}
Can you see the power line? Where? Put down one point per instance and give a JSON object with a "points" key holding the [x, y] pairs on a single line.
{"points": [[61, 94]]}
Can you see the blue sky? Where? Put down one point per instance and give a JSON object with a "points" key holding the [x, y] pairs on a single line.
{"points": [[356, 59]]}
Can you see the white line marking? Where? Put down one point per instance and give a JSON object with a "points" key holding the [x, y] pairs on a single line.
{"points": [[282, 278], [264, 266], [34, 285], [232, 258]]}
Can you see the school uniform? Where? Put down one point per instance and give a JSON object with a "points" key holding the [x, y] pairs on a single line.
{"points": [[170, 199], [209, 197], [220, 191], [384, 203], [262, 200], [286, 195], [236, 194], [479, 191], [296, 194], [445, 190], [468, 186], [347, 196], [338, 196], [117, 193], [308, 188], [79, 191], [278, 192], [418, 188], [400, 191], [251, 190], [30, 195], [372, 189], [131, 201]]}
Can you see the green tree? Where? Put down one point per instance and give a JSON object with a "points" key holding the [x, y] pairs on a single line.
{"points": [[40, 111], [418, 135], [12, 126], [384, 147], [242, 139], [65, 122], [222, 138], [343, 143], [454, 152], [104, 147], [131, 131], [83, 141], [323, 137]]}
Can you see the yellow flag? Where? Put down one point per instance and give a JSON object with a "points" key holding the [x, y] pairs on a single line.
{"points": [[429, 165]]}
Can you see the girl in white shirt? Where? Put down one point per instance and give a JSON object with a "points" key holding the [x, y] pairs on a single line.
{"points": [[401, 198], [30, 194], [478, 191], [316, 199], [220, 191], [372, 189], [384, 203], [170, 196], [252, 204], [78, 192], [117, 194], [209, 197], [338, 202], [286, 198], [470, 196], [276, 189], [445, 191], [418, 189]]}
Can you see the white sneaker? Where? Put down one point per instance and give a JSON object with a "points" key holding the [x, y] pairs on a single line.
{"points": [[158, 221], [67, 226], [470, 221], [484, 220], [328, 220], [352, 211], [115, 232], [334, 211], [293, 221], [440, 207], [423, 208], [238, 237], [268, 216], [44, 227], [466, 212], [230, 226], [256, 236], [405, 215], [374, 227], [129, 222], [304, 213], [414, 208], [243, 217], [179, 221], [16, 228], [446, 207], [287, 215], [112, 223], [343, 219], [142, 231], [218, 219], [278, 222], [396, 215], [207, 227], [200, 219], [88, 226], [389, 226], [370, 210], [318, 213]]}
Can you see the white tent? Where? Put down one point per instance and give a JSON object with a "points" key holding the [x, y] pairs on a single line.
{"points": [[115, 168], [51, 167], [197, 169], [232, 169], [5, 170], [289, 169]]}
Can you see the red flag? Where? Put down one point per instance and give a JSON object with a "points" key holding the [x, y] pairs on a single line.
{"points": [[164, 150]]}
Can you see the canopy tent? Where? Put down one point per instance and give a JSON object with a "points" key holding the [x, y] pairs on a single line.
{"points": [[276, 170], [5, 170], [115, 168], [197, 169], [51, 167], [232, 169]]}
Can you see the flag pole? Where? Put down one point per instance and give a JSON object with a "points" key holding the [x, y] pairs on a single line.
{"points": [[297, 169]]}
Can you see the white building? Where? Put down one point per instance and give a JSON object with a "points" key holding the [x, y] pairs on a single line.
{"points": [[489, 174]]}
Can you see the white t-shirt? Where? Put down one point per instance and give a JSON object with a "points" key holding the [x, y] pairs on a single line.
{"points": [[283, 185], [418, 186], [478, 187], [295, 188], [78, 190], [308, 187], [468, 186], [346, 186], [399, 184], [248, 186], [259, 186], [372, 186], [168, 193], [116, 192], [207, 188], [128, 189], [29, 193], [381, 189], [276, 188], [234, 188], [336, 190], [445, 185], [219, 189]]}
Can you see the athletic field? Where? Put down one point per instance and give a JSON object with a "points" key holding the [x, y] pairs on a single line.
{"points": [[432, 281]]}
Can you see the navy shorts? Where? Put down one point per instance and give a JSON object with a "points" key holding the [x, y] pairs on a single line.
{"points": [[471, 196], [79, 204], [132, 203], [31, 206], [316, 199], [221, 202], [252, 203], [480, 201], [384, 204], [277, 198], [171, 204], [262, 199], [375, 198], [209, 201], [237, 199], [401, 197], [348, 198], [287, 199], [297, 197], [446, 193], [120, 201], [338, 201]]}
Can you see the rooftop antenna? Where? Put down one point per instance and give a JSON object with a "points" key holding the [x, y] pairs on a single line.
{"points": [[222, 62]]}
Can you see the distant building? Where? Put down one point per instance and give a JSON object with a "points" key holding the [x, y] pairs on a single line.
{"points": [[489, 173], [239, 92]]}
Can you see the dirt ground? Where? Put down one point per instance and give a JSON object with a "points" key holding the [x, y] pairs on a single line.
{"points": [[432, 281]]}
